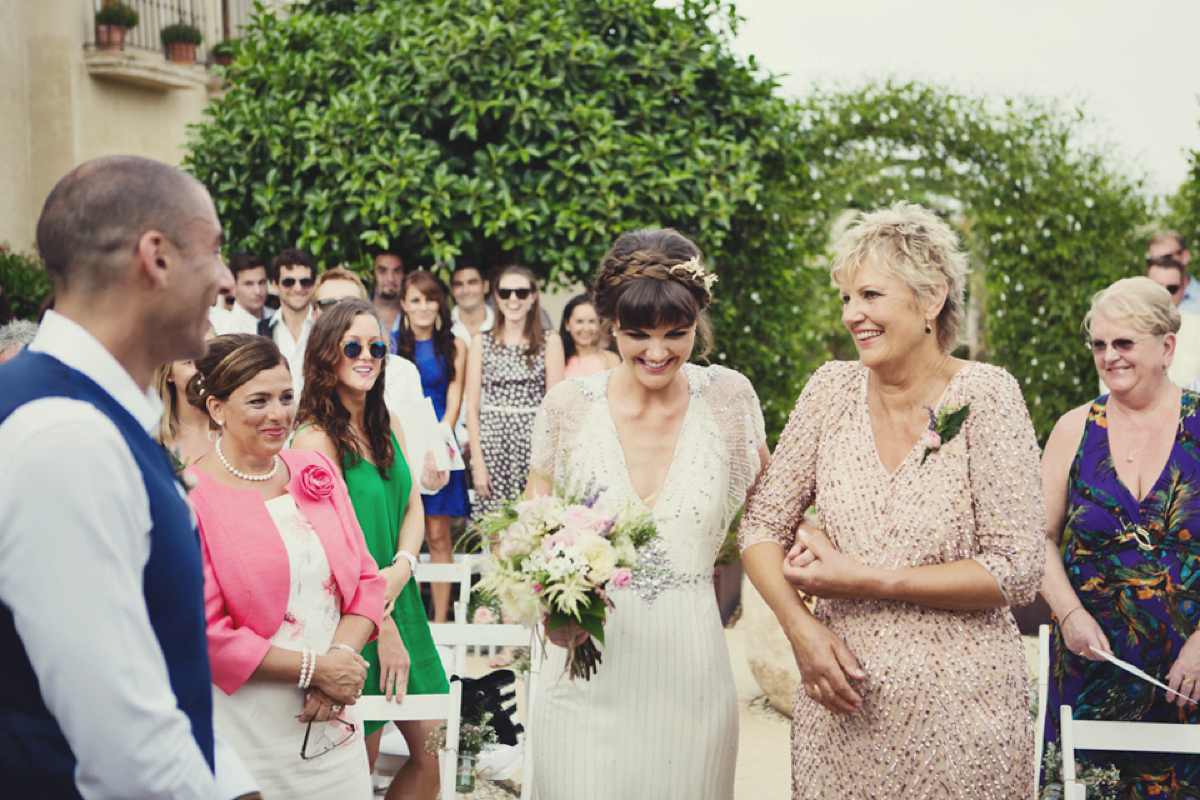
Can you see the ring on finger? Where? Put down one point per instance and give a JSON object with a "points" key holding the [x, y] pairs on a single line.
{"points": [[816, 688], [1188, 681]]}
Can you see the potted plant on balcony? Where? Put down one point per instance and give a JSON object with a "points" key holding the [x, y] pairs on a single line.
{"points": [[181, 40], [113, 21], [222, 52]]}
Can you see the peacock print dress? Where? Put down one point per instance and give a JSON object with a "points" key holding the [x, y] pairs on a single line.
{"points": [[1136, 569]]}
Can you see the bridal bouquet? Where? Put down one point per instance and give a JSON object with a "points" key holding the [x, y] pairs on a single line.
{"points": [[556, 556]]}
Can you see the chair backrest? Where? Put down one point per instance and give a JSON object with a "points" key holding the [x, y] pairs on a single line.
{"points": [[1043, 687], [423, 706], [1133, 737]]}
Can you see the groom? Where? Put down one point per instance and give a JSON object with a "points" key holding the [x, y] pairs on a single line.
{"points": [[104, 678]]}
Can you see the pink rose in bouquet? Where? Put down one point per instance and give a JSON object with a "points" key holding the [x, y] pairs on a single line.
{"points": [[584, 518], [316, 481], [483, 616], [931, 440], [620, 578], [566, 537]]}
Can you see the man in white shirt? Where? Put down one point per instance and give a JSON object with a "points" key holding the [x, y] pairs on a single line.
{"points": [[249, 295], [1170, 244], [471, 314], [293, 273], [105, 689], [1169, 273]]}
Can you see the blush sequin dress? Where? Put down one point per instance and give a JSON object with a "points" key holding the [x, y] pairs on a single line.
{"points": [[945, 702]]}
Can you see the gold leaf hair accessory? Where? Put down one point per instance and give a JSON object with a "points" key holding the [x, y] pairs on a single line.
{"points": [[693, 270]]}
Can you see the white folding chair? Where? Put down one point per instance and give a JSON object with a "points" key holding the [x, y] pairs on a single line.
{"points": [[458, 636], [420, 706], [1043, 688], [1130, 737]]}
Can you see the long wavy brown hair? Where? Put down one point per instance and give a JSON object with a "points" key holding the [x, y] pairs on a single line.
{"points": [[443, 340], [535, 331], [320, 403]]}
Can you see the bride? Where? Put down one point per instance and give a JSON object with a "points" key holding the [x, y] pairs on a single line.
{"points": [[659, 718]]}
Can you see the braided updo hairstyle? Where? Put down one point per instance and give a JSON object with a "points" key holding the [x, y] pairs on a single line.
{"points": [[639, 287]]}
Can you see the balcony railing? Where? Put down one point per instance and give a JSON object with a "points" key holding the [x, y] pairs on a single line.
{"points": [[217, 20]]}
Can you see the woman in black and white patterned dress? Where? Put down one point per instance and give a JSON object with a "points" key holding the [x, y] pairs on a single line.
{"points": [[509, 371]]}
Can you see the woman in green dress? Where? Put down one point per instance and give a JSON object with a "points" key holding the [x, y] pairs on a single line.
{"points": [[342, 414]]}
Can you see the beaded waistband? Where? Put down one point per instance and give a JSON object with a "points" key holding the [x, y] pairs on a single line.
{"points": [[509, 409]]}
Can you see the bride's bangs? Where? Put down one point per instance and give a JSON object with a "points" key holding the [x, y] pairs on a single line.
{"points": [[649, 303]]}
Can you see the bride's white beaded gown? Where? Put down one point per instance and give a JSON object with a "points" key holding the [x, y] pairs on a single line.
{"points": [[659, 719]]}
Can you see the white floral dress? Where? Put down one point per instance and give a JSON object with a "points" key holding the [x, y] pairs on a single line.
{"points": [[260, 719]]}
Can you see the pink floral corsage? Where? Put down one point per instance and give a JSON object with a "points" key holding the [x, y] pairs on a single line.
{"points": [[943, 426], [316, 481]]}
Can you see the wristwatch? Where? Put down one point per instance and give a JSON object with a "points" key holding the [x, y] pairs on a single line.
{"points": [[409, 557]]}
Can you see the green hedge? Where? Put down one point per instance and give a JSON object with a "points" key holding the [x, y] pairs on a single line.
{"points": [[24, 281]]}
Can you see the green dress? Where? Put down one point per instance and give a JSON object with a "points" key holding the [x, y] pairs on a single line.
{"points": [[379, 506]]}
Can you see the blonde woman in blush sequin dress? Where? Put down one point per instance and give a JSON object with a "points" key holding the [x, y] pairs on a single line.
{"points": [[913, 674]]}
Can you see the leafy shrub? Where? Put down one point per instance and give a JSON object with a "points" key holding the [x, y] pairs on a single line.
{"points": [[24, 281], [117, 14], [180, 33]]}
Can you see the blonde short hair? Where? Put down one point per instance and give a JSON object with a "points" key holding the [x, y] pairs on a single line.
{"points": [[908, 242], [338, 273], [1139, 302]]}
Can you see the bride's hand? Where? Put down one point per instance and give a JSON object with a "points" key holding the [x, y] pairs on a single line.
{"points": [[569, 635]]}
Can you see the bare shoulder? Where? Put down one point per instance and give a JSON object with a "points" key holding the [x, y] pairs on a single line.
{"points": [[312, 437], [1068, 432], [611, 359]]}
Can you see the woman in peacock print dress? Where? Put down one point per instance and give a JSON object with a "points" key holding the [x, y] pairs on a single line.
{"points": [[1122, 485]]}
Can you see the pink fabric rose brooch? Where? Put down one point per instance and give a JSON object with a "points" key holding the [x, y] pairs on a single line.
{"points": [[316, 481], [943, 426]]}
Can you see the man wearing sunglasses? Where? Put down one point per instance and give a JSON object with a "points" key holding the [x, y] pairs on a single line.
{"points": [[1169, 244], [1169, 273], [293, 273]]}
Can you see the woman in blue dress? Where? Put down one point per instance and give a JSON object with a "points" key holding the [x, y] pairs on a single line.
{"points": [[441, 357], [1122, 487]]}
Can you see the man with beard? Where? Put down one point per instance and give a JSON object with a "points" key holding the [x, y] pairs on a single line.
{"points": [[389, 276]]}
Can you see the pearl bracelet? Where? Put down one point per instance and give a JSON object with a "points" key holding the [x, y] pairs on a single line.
{"points": [[308, 663]]}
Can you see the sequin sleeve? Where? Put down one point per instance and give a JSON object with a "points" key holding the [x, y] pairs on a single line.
{"points": [[789, 484], [738, 415], [1006, 485]]}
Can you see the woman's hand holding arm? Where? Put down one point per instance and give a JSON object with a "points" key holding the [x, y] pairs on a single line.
{"points": [[816, 567], [394, 662], [826, 665]]}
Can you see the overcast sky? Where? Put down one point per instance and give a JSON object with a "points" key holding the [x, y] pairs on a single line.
{"points": [[1136, 64]]}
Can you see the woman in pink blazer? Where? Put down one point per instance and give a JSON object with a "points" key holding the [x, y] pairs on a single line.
{"points": [[291, 593]]}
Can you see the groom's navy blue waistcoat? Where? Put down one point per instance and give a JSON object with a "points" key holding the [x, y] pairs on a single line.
{"points": [[33, 750]]}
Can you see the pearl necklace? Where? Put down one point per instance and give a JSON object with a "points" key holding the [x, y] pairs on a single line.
{"points": [[243, 475]]}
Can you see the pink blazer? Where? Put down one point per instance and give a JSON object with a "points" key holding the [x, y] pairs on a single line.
{"points": [[246, 572]]}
